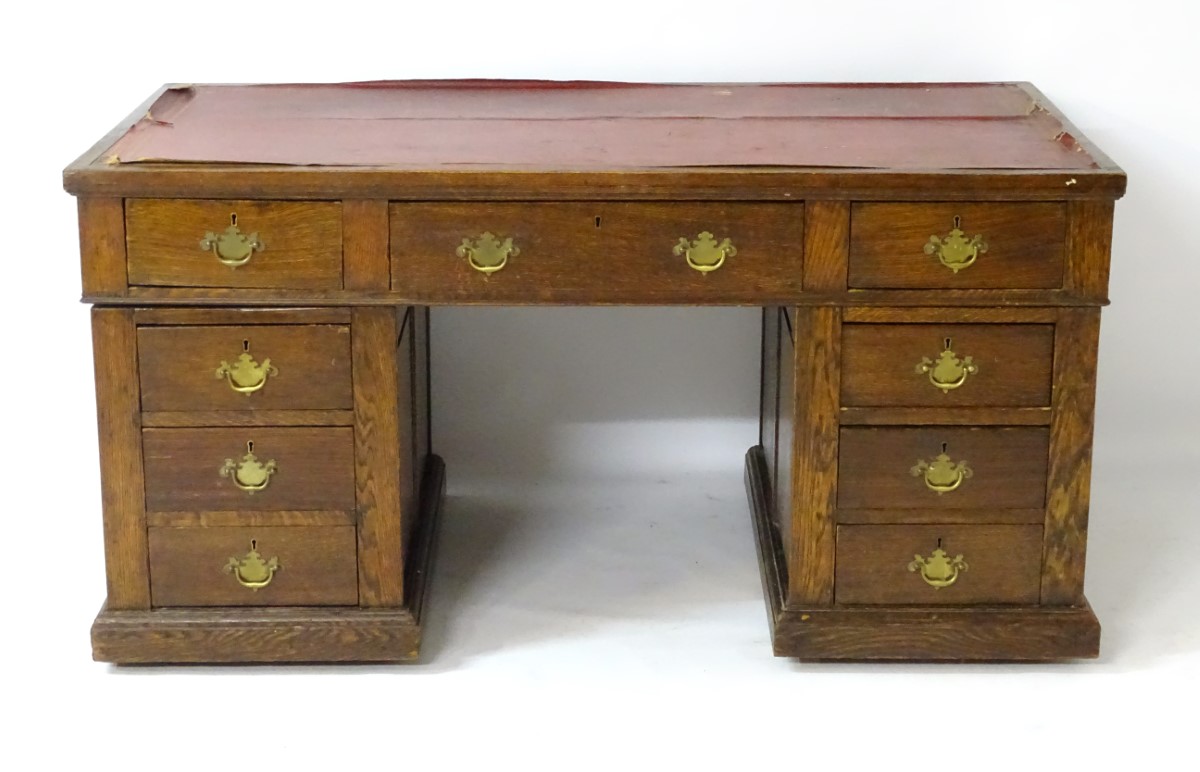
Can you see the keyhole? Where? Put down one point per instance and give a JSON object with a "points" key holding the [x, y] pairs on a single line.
{"points": [[249, 447], [939, 543], [944, 446], [233, 219], [597, 221], [947, 342], [254, 544], [246, 345], [957, 221]]}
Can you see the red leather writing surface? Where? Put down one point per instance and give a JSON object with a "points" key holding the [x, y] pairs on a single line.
{"points": [[543, 125]]}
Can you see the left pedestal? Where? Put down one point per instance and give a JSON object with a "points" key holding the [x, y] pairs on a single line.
{"points": [[269, 493]]}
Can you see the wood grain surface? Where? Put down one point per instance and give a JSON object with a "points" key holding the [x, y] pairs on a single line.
{"points": [[255, 635], [933, 633], [302, 243], [365, 244], [102, 246], [122, 481], [1008, 467], [772, 558], [784, 444], [1013, 362], [380, 459], [1025, 245], [314, 468], [598, 251], [316, 566], [817, 333], [179, 366], [1003, 564], [939, 634], [1068, 484]]}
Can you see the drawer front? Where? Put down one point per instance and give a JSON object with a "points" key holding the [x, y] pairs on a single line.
{"points": [[243, 566], [915, 246], [597, 251], [947, 365], [274, 244], [249, 469], [284, 367], [938, 565], [942, 468]]}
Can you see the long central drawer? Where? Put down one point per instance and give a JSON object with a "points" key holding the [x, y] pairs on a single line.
{"points": [[593, 252]]}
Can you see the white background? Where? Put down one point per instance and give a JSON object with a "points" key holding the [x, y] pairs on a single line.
{"points": [[596, 601]]}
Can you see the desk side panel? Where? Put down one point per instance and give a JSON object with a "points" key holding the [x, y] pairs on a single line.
{"points": [[118, 409], [817, 332]]}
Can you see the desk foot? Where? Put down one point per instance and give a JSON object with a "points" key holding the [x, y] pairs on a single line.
{"points": [[969, 633], [293, 634]]}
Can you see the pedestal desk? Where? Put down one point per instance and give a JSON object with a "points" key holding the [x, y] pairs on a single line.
{"points": [[931, 260]]}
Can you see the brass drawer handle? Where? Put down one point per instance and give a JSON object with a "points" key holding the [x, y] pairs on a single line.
{"points": [[955, 250], [942, 475], [950, 371], [705, 254], [232, 247], [249, 474], [487, 254], [251, 570], [246, 376], [939, 569]]}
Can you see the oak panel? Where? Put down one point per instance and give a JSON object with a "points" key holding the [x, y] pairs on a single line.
{"points": [[596, 252], [1025, 245], [114, 344], [1013, 363], [302, 243], [1003, 564], [1008, 467], [179, 367], [314, 468], [316, 566], [817, 335]]}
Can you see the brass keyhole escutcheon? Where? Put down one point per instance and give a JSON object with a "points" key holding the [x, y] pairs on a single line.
{"points": [[245, 375], [232, 247], [704, 254], [939, 569], [950, 371], [249, 474], [941, 474], [487, 253], [955, 250], [251, 571]]}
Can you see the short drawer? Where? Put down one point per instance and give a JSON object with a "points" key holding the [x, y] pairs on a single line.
{"points": [[938, 565], [245, 566], [947, 365], [707, 252], [281, 367], [249, 469], [942, 468], [957, 246], [273, 244]]}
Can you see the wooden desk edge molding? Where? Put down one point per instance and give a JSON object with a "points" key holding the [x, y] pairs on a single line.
{"points": [[931, 260]]}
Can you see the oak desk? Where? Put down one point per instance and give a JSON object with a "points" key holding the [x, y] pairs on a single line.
{"points": [[931, 260]]}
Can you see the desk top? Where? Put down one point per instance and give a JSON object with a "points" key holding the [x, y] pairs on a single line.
{"points": [[408, 129]]}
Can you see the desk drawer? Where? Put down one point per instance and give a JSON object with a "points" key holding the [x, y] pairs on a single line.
{"points": [[914, 246], [595, 252], [282, 367], [273, 244], [249, 469], [942, 468], [947, 365], [938, 564], [250, 566]]}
